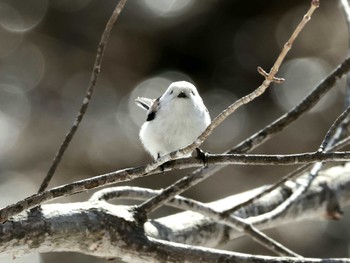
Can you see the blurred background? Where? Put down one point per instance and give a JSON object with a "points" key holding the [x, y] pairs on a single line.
{"points": [[47, 50]]}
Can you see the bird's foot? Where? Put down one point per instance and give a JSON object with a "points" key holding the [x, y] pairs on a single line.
{"points": [[162, 168], [203, 156]]}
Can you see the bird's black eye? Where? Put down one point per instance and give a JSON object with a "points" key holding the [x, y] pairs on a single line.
{"points": [[192, 93], [171, 92]]}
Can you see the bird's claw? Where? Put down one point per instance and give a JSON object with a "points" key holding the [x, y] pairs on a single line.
{"points": [[203, 156]]}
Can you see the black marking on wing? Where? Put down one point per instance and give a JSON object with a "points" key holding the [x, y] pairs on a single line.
{"points": [[142, 104], [151, 116], [153, 110]]}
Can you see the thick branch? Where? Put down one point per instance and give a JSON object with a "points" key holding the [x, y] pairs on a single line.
{"points": [[106, 230], [332, 187]]}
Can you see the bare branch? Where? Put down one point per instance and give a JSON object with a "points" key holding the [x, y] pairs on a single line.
{"points": [[336, 131], [133, 173], [94, 76], [119, 236]]}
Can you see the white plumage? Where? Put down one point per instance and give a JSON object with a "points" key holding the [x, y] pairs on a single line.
{"points": [[174, 120]]}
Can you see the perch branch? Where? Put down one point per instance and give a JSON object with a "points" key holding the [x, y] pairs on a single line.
{"points": [[138, 172], [113, 232]]}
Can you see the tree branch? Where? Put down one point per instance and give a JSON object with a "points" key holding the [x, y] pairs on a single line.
{"points": [[105, 230], [332, 187], [133, 173]]}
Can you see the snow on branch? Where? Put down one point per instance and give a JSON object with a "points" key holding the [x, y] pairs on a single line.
{"points": [[98, 228]]}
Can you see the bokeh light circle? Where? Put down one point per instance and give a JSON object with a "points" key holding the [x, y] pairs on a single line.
{"points": [[24, 68], [69, 5], [167, 8], [21, 16], [15, 111], [225, 134], [302, 75]]}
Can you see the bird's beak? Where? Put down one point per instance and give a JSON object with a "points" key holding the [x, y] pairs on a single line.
{"points": [[182, 94]]}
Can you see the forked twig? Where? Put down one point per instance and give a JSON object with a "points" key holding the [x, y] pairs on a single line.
{"points": [[94, 76], [285, 120]]}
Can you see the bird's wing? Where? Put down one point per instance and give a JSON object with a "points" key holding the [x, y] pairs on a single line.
{"points": [[144, 103], [151, 114]]}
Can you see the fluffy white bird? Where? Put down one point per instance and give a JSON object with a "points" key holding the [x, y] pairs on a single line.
{"points": [[174, 120]]}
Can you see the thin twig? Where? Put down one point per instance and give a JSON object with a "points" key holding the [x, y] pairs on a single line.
{"points": [[154, 203], [94, 76], [335, 131], [269, 189], [138, 193], [280, 209], [242, 226], [305, 105], [279, 159]]}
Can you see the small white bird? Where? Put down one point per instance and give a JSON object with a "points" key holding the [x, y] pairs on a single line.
{"points": [[174, 120]]}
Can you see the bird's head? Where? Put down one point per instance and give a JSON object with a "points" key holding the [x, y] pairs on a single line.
{"points": [[181, 91]]}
